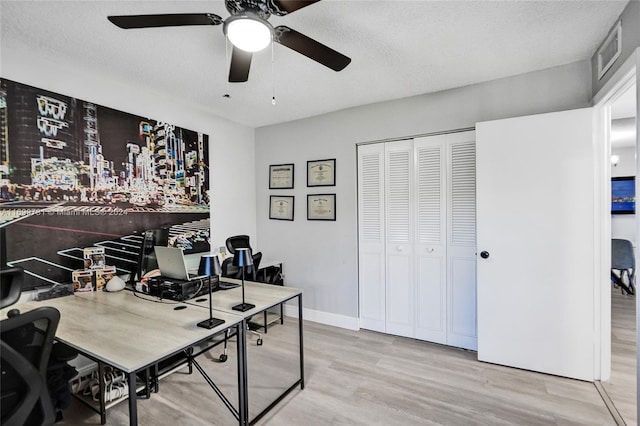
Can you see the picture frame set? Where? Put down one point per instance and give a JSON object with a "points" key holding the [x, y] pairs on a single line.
{"points": [[281, 176], [320, 207]]}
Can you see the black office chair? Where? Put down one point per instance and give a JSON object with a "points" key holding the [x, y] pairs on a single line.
{"points": [[230, 271], [237, 241], [26, 342], [623, 265], [10, 286]]}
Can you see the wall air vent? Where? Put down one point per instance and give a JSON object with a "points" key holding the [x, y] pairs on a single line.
{"points": [[610, 50]]}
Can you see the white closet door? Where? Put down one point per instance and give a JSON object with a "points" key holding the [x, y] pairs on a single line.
{"points": [[430, 245], [371, 273], [461, 275], [400, 292]]}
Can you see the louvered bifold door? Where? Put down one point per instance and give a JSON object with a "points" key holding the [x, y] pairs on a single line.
{"points": [[371, 234], [430, 244], [461, 247], [400, 289]]}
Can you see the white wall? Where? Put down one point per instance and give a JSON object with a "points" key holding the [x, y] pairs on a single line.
{"points": [[321, 257], [233, 212], [624, 225]]}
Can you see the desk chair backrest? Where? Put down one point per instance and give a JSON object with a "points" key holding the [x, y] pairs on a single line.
{"points": [[622, 255], [236, 242], [10, 286], [26, 341], [623, 265], [250, 274]]}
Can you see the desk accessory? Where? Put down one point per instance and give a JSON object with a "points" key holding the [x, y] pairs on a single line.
{"points": [[210, 265], [179, 290], [96, 272], [242, 258], [58, 290], [115, 284]]}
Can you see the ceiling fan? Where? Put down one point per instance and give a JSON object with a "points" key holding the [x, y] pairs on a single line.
{"points": [[248, 31]]}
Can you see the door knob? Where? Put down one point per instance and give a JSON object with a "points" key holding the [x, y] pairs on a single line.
{"points": [[484, 254]]}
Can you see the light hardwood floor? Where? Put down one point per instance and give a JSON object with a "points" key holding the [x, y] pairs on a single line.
{"points": [[622, 385], [365, 378]]}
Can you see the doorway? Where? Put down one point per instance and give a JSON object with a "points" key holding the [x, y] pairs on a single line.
{"points": [[621, 386]]}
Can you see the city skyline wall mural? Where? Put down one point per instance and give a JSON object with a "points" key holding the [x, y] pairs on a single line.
{"points": [[75, 174]]}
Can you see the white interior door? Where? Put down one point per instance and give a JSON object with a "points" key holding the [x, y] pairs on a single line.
{"points": [[461, 274], [535, 219], [400, 294], [430, 241], [371, 232]]}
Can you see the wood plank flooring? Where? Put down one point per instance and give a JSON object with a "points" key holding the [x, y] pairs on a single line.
{"points": [[621, 388], [364, 378]]}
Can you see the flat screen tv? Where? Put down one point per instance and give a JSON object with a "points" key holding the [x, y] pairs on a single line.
{"points": [[623, 195]]}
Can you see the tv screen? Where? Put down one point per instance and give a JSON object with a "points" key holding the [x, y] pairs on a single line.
{"points": [[623, 195]]}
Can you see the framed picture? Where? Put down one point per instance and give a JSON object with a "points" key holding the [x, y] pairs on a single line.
{"points": [[623, 195], [281, 176], [321, 207], [321, 172], [281, 207]]}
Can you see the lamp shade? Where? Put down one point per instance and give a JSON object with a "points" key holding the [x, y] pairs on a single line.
{"points": [[209, 265], [242, 257]]}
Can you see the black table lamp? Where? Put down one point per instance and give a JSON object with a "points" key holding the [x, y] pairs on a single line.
{"points": [[242, 258], [210, 265]]}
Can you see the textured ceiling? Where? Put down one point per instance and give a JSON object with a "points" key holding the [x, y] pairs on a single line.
{"points": [[398, 49]]}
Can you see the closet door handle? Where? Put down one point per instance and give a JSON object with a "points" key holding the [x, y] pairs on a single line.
{"points": [[399, 248], [430, 250], [484, 254]]}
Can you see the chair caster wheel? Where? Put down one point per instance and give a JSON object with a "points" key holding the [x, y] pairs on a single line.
{"points": [[259, 342], [223, 357]]}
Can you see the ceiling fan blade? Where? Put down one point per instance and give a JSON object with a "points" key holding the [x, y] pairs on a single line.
{"points": [[240, 64], [283, 7], [170, 20], [310, 48]]}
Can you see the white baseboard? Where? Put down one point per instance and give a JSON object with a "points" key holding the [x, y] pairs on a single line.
{"points": [[327, 318]]}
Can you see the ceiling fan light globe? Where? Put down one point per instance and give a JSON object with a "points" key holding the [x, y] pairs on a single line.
{"points": [[248, 33]]}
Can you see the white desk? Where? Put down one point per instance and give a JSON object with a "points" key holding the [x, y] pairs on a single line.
{"points": [[263, 296], [130, 334]]}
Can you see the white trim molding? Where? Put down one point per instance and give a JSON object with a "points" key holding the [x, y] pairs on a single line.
{"points": [[327, 318]]}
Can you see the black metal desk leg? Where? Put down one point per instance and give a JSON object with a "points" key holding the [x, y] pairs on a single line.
{"points": [[301, 345], [133, 400], [243, 406], [101, 394]]}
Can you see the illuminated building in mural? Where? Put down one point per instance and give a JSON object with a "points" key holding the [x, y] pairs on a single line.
{"points": [[45, 125], [4, 140], [91, 143], [54, 141]]}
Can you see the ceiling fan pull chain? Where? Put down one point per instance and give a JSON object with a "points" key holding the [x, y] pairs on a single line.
{"points": [[273, 78]]}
